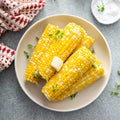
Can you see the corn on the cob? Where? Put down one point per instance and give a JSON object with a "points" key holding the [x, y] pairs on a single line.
{"points": [[88, 78], [66, 41], [44, 43], [87, 41], [77, 64]]}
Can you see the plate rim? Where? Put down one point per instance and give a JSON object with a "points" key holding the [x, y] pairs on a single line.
{"points": [[107, 79]]}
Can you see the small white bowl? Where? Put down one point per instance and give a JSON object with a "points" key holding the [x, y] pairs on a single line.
{"points": [[111, 13], [84, 97]]}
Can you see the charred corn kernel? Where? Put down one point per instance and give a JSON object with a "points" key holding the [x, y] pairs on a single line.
{"points": [[65, 42], [44, 43], [93, 74], [77, 64]]}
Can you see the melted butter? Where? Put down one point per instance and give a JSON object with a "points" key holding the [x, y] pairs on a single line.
{"points": [[111, 11]]}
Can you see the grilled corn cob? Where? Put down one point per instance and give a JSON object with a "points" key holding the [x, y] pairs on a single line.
{"points": [[77, 64], [44, 43], [65, 42], [93, 74]]}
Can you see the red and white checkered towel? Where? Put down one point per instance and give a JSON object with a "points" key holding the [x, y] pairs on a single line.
{"points": [[15, 15], [6, 56]]}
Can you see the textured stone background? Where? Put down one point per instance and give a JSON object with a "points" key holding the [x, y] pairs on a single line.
{"points": [[15, 105]]}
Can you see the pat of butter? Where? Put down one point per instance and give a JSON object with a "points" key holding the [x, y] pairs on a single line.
{"points": [[57, 63]]}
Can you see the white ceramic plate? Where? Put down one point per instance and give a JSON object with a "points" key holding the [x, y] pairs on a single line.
{"points": [[84, 97]]}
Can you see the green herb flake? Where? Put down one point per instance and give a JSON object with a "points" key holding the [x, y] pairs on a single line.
{"points": [[50, 35], [58, 31], [56, 38], [73, 95], [27, 54], [30, 46], [101, 8], [59, 35], [118, 72], [36, 75], [37, 38], [114, 93], [53, 89], [62, 33], [81, 64], [118, 85], [92, 51], [93, 66]]}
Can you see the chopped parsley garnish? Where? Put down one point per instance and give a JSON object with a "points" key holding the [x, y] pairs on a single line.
{"points": [[53, 89], [81, 64], [50, 35], [118, 85], [61, 35], [36, 75], [93, 66], [102, 7], [27, 54], [30, 46], [118, 72], [58, 34], [114, 93], [73, 95], [92, 51], [37, 38]]}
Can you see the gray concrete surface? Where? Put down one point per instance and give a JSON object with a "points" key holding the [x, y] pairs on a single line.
{"points": [[15, 105]]}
